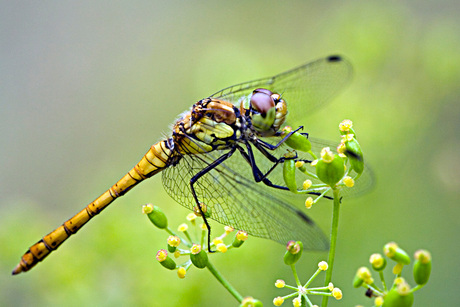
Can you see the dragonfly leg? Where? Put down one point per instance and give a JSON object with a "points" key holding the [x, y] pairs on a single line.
{"points": [[249, 157], [197, 176], [273, 147], [260, 177]]}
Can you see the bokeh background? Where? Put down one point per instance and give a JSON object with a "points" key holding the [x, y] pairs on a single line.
{"points": [[87, 87]]}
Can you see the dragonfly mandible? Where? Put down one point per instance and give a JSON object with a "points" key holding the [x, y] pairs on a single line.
{"points": [[223, 153]]}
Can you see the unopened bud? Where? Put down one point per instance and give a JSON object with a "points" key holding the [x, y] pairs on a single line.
{"points": [[155, 215], [293, 253], [394, 252], [422, 267]]}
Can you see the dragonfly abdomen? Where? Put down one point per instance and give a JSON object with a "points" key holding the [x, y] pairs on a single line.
{"points": [[154, 161]]}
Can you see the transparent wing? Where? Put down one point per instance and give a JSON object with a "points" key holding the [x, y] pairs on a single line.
{"points": [[238, 201], [305, 88]]}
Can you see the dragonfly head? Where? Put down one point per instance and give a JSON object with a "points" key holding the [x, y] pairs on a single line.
{"points": [[264, 111]]}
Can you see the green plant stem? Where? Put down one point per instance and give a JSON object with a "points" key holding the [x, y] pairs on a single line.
{"points": [[334, 228], [417, 287], [382, 278], [296, 277], [224, 282]]}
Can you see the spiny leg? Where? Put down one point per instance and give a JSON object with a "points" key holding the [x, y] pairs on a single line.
{"points": [[260, 177], [273, 147], [197, 176]]}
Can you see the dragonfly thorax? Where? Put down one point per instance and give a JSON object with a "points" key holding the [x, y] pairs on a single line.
{"points": [[211, 124]]}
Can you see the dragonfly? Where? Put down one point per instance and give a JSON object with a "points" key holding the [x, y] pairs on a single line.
{"points": [[224, 154]]}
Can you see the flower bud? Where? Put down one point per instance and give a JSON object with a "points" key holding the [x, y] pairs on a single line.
{"points": [[182, 227], [280, 283], [206, 210], [289, 175], [422, 267], [300, 165], [191, 217], [181, 272], [294, 251], [330, 169], [172, 249], [250, 302], [323, 265], [198, 256], [307, 184], [173, 243], [394, 252], [378, 301], [165, 260], [397, 269], [309, 202], [278, 301], [155, 215], [345, 125], [337, 293], [228, 229], [399, 296], [221, 247], [363, 275], [240, 237], [357, 281], [297, 140], [378, 262], [348, 181]]}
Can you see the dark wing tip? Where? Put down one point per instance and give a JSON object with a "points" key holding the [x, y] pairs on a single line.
{"points": [[334, 58], [304, 217]]}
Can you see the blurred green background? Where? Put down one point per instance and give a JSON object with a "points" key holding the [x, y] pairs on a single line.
{"points": [[87, 87]]}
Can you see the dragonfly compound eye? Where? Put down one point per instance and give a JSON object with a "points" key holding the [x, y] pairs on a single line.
{"points": [[262, 101], [263, 111]]}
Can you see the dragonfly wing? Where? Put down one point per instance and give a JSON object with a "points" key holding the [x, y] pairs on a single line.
{"points": [[237, 200], [305, 88]]}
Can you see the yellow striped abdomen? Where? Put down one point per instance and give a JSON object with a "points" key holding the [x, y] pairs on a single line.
{"points": [[154, 161]]}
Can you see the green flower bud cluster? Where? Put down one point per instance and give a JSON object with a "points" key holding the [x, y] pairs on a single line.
{"points": [[196, 249], [400, 294], [332, 170], [196, 252], [291, 256]]}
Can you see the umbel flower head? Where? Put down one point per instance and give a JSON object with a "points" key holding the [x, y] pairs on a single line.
{"points": [[301, 292], [196, 252], [400, 294]]}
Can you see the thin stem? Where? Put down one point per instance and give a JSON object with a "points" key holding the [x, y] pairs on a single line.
{"points": [[311, 278], [334, 228], [224, 282], [307, 300], [417, 287], [188, 236], [296, 277], [203, 235], [382, 278], [375, 290]]}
